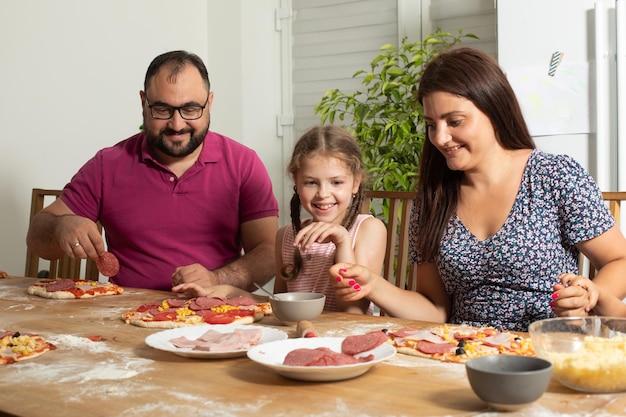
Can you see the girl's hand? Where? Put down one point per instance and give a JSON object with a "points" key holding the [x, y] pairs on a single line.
{"points": [[321, 232], [574, 295], [352, 282]]}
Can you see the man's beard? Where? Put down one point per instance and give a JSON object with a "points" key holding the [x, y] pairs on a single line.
{"points": [[157, 142]]}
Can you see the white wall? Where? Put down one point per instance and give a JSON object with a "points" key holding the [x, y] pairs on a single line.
{"points": [[70, 75]]}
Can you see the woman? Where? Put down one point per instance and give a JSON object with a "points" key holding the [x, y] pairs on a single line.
{"points": [[497, 223]]}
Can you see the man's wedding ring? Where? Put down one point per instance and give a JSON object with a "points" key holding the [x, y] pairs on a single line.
{"points": [[77, 244]]}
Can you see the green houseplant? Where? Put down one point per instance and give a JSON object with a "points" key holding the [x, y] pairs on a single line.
{"points": [[386, 118]]}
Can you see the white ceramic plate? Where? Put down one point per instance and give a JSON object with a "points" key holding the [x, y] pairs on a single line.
{"points": [[273, 355], [161, 340]]}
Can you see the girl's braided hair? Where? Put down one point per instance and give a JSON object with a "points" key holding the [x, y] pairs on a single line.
{"points": [[328, 141]]}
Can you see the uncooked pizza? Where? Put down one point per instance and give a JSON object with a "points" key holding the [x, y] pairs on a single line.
{"points": [[19, 346], [178, 312], [459, 343], [68, 289]]}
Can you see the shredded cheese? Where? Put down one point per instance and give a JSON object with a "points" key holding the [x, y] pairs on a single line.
{"points": [[224, 308], [598, 366]]}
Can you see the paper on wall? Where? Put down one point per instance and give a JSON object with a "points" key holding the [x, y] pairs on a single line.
{"points": [[554, 104]]}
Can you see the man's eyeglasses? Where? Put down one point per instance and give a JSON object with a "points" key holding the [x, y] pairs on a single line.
{"points": [[166, 112]]}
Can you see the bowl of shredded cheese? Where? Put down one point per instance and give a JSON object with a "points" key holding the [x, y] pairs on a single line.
{"points": [[588, 354]]}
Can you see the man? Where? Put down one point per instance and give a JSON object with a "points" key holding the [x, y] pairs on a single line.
{"points": [[178, 202]]}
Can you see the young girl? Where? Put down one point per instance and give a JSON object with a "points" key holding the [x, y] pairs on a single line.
{"points": [[328, 175]]}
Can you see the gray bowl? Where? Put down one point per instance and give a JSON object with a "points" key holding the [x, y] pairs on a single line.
{"points": [[508, 382], [291, 307]]}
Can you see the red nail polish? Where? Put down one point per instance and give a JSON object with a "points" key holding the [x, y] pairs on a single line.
{"points": [[351, 282], [339, 279], [357, 287], [552, 304], [555, 296], [342, 270]]}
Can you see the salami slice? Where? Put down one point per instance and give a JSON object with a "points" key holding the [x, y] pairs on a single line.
{"points": [[430, 348], [107, 264], [320, 356], [204, 303], [61, 285], [241, 301], [355, 344], [176, 302]]}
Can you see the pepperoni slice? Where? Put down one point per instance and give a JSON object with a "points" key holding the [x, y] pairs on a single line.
{"points": [[166, 315], [107, 264], [176, 302], [61, 285], [147, 306], [430, 348], [355, 344]]}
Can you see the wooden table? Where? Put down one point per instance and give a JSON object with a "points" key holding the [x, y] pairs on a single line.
{"points": [[124, 377]]}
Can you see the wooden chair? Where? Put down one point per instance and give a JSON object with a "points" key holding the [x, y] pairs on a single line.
{"points": [[64, 267], [614, 200], [395, 214]]}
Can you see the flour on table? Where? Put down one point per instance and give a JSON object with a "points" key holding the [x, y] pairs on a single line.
{"points": [[357, 329], [536, 410], [9, 295], [194, 405], [21, 307], [108, 370], [77, 342]]}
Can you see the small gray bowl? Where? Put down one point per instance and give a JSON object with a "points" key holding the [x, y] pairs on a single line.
{"points": [[508, 382], [291, 307]]}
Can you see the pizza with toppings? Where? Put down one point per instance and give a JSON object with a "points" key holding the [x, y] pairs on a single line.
{"points": [[68, 289], [459, 343], [16, 346], [178, 312]]}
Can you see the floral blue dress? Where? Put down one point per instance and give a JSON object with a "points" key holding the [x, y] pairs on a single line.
{"points": [[506, 280]]}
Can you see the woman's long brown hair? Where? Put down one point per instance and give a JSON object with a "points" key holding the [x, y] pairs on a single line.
{"points": [[476, 76]]}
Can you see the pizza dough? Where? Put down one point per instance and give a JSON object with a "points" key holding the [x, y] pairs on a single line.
{"points": [[16, 346], [68, 289], [177, 312], [459, 343]]}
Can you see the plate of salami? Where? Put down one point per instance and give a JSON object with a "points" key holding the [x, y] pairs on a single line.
{"points": [[318, 358], [213, 341]]}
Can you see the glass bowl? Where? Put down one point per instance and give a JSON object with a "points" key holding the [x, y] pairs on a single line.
{"points": [[588, 353]]}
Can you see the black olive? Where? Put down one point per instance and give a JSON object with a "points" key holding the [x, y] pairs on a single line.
{"points": [[16, 334], [460, 351], [385, 330], [462, 343]]}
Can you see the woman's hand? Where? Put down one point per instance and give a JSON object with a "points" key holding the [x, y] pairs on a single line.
{"points": [[574, 295]]}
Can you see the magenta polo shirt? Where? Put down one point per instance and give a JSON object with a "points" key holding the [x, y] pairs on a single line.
{"points": [[155, 221]]}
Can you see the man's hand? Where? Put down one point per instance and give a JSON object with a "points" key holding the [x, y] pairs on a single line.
{"points": [[79, 237], [194, 273]]}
